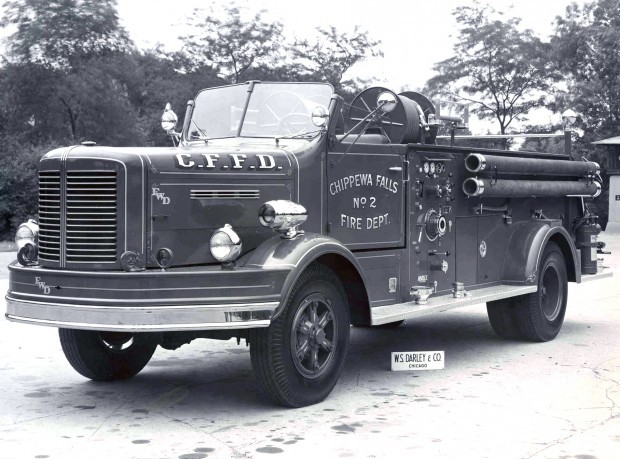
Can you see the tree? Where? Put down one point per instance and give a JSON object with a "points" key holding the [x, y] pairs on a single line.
{"points": [[18, 181], [65, 78], [332, 54], [232, 42], [62, 32], [28, 103], [586, 50], [503, 71]]}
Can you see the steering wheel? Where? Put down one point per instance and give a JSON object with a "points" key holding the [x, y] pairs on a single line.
{"points": [[285, 112]]}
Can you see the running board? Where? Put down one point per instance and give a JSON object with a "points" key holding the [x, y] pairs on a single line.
{"points": [[597, 276], [401, 311]]}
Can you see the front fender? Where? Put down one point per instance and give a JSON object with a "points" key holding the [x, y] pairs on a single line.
{"points": [[297, 254], [525, 249]]}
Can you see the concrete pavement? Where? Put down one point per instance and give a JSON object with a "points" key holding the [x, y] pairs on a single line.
{"points": [[495, 399]]}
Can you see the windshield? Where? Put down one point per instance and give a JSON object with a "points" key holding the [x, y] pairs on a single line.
{"points": [[273, 110]]}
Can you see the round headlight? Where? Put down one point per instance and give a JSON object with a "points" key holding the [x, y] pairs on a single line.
{"points": [[27, 254], [27, 233], [266, 215], [225, 244]]}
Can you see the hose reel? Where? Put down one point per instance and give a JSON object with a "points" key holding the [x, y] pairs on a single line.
{"points": [[405, 124]]}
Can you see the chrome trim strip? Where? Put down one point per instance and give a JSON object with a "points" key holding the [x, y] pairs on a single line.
{"points": [[167, 289], [130, 318], [225, 194], [143, 328]]}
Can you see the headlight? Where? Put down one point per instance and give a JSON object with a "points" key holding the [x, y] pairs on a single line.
{"points": [[282, 216], [27, 254], [225, 244], [27, 233]]}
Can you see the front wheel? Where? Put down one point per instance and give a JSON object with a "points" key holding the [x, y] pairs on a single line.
{"points": [[106, 356], [299, 357]]}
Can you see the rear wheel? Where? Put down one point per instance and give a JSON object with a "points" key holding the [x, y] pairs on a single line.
{"points": [[502, 315], [106, 356], [299, 357], [536, 316], [541, 314]]}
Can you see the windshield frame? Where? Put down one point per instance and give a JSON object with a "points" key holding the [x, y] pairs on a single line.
{"points": [[248, 99]]}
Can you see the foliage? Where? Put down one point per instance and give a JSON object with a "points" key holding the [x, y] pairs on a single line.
{"points": [[18, 181], [239, 46], [502, 70], [586, 50], [232, 44], [552, 145], [332, 54], [62, 33]]}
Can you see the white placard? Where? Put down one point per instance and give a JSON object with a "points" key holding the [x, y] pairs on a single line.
{"points": [[423, 360]]}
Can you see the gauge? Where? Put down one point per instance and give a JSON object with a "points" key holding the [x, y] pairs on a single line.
{"points": [[426, 167], [439, 168], [432, 168]]}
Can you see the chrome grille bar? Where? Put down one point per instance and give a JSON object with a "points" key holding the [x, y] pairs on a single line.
{"points": [[92, 219], [49, 216]]}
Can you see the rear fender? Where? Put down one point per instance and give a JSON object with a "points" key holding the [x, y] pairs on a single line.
{"points": [[525, 250], [297, 254]]}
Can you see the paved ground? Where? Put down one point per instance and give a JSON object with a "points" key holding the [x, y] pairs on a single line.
{"points": [[495, 399]]}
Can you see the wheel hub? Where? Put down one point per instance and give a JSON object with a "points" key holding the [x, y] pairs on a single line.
{"points": [[551, 296], [116, 341], [314, 336], [319, 336]]}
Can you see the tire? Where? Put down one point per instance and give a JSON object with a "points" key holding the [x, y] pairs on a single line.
{"points": [[299, 357], [106, 356], [502, 315], [540, 315]]}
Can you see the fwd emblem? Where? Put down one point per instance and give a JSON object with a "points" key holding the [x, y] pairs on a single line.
{"points": [[165, 200], [39, 283]]}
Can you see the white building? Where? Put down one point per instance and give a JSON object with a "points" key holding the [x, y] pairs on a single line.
{"points": [[613, 171]]}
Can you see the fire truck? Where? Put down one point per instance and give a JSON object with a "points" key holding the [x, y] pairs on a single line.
{"points": [[283, 216]]}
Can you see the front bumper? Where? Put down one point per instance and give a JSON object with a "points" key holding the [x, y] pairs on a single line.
{"points": [[194, 298]]}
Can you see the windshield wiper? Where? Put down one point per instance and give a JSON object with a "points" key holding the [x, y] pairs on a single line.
{"points": [[301, 135], [203, 136]]}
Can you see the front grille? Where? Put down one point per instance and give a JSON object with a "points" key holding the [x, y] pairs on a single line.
{"points": [[91, 217], [49, 215], [78, 217]]}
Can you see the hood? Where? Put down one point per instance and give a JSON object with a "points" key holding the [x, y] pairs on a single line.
{"points": [[176, 197]]}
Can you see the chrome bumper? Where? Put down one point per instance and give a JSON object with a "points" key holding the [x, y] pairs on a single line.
{"points": [[192, 298], [139, 318]]}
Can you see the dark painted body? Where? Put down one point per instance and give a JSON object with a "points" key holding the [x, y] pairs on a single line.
{"points": [[368, 207]]}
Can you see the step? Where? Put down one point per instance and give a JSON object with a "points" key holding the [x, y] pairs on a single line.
{"points": [[401, 311], [597, 276]]}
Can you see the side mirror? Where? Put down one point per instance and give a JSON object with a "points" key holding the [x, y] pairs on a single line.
{"points": [[319, 116], [386, 102], [169, 120]]}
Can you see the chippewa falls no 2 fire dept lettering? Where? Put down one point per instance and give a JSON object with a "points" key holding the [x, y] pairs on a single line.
{"points": [[372, 182]]}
